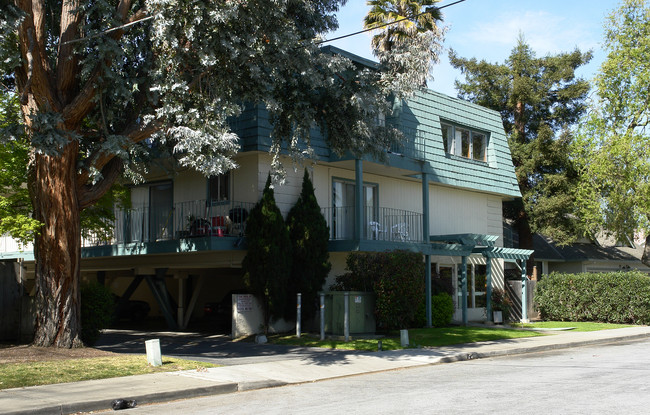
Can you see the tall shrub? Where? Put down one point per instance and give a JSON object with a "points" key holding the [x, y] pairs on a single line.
{"points": [[97, 308], [309, 237], [267, 264], [397, 279], [616, 297]]}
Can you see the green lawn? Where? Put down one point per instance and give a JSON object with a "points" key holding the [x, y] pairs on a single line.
{"points": [[434, 337], [577, 326], [16, 375]]}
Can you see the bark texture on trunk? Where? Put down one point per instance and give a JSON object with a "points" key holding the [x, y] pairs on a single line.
{"points": [[58, 250]]}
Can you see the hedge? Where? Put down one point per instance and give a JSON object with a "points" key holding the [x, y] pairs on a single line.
{"points": [[616, 297]]}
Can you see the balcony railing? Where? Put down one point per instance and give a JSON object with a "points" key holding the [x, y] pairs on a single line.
{"points": [[197, 218], [383, 224]]}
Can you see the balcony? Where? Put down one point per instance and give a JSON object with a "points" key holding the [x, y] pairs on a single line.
{"points": [[379, 224], [184, 220]]}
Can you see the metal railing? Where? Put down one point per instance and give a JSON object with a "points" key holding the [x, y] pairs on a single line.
{"points": [[384, 224], [199, 218], [196, 218]]}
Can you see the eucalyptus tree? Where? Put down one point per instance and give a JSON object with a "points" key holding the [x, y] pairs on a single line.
{"points": [[103, 83], [539, 99], [613, 150]]}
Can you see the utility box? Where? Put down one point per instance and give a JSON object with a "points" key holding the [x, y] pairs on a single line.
{"points": [[361, 312]]}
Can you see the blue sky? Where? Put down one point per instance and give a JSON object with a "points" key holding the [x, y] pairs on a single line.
{"points": [[488, 29]]}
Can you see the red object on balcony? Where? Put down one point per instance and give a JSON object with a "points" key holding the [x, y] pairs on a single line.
{"points": [[218, 225]]}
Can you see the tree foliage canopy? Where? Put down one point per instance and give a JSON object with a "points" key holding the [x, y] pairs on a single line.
{"points": [[614, 147], [539, 99]]}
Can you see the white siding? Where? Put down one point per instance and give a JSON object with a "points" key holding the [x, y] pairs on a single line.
{"points": [[244, 180], [456, 211]]}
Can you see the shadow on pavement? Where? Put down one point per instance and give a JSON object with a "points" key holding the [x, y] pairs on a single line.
{"points": [[215, 348]]}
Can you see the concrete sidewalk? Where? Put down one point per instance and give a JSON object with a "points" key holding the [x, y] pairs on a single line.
{"points": [[97, 395]]}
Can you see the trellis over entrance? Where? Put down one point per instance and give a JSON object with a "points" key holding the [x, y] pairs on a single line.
{"points": [[464, 245]]}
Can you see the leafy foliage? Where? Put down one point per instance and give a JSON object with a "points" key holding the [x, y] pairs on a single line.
{"points": [[613, 151], [397, 279], [442, 311], [15, 205], [409, 37], [96, 311], [309, 235], [539, 99], [267, 264], [617, 297]]}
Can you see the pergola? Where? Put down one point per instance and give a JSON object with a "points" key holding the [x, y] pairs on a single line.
{"points": [[464, 245]]}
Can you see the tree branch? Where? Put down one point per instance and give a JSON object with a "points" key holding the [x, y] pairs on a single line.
{"points": [[100, 159], [83, 103], [90, 194], [34, 73], [66, 66]]}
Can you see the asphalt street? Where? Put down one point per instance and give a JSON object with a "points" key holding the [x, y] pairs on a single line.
{"points": [[609, 379]]}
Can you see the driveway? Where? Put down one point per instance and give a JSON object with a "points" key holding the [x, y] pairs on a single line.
{"points": [[213, 348]]}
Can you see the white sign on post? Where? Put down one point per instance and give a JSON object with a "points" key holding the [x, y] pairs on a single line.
{"points": [[244, 303]]}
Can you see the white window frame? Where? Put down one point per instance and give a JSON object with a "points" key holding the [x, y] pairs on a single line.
{"points": [[453, 141]]}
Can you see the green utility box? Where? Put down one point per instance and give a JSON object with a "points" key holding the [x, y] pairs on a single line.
{"points": [[361, 311]]}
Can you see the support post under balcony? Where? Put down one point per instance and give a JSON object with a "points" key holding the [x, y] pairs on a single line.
{"points": [[463, 279], [358, 199], [425, 234]]}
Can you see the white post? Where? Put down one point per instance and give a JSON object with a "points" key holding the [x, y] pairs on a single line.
{"points": [[154, 357], [322, 316], [298, 314], [346, 316]]}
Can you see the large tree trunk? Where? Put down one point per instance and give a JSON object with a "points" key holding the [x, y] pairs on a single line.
{"points": [[57, 250]]}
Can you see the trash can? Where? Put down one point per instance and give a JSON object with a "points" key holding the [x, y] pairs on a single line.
{"points": [[362, 312]]}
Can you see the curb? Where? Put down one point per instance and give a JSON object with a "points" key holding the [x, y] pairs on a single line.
{"points": [[105, 404], [461, 357]]}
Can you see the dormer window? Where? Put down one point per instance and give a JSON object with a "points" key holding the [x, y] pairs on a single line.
{"points": [[464, 142]]}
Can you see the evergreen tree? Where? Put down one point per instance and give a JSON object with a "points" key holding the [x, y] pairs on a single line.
{"points": [[539, 100], [267, 264], [309, 235]]}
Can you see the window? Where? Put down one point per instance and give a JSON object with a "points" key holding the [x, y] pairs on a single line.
{"points": [[219, 188], [476, 286], [464, 142]]}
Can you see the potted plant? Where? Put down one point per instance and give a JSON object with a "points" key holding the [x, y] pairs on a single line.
{"points": [[501, 305]]}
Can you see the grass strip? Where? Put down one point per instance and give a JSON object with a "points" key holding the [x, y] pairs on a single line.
{"points": [[433, 337], [576, 325], [16, 375]]}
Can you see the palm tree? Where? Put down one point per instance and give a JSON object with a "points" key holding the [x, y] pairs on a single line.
{"points": [[410, 17]]}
